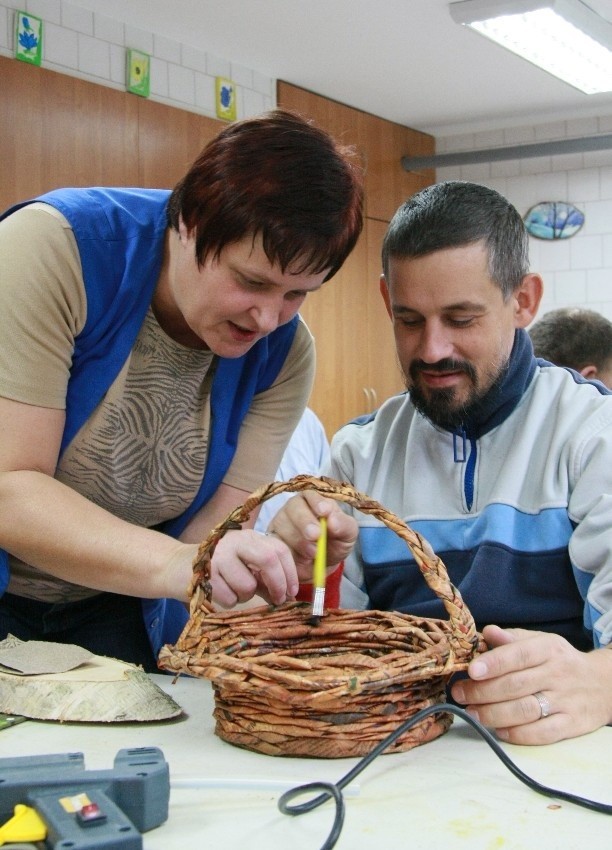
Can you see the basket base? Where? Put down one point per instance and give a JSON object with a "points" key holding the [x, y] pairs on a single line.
{"points": [[312, 734]]}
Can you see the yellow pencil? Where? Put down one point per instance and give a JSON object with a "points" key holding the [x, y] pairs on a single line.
{"points": [[319, 572]]}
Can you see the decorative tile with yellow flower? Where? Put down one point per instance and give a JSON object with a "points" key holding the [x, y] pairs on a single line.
{"points": [[137, 72]]}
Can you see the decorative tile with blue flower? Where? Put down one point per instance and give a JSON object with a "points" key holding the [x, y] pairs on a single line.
{"points": [[553, 220], [28, 38], [225, 99]]}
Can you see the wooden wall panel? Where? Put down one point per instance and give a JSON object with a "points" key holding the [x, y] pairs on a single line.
{"points": [[57, 131], [388, 184], [380, 143], [168, 142]]}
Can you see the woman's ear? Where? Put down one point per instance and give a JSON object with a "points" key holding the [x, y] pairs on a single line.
{"points": [[182, 230], [528, 297]]}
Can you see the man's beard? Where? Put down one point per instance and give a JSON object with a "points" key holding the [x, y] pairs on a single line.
{"points": [[440, 406]]}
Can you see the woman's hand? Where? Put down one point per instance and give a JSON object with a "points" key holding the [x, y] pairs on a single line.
{"points": [[535, 688], [297, 524], [248, 563]]}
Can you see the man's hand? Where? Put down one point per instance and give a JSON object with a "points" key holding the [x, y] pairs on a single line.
{"points": [[574, 687], [247, 563], [297, 523]]}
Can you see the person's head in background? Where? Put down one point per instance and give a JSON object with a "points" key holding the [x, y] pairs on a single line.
{"points": [[578, 338]]}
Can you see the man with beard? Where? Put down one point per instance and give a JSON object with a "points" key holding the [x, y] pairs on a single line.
{"points": [[503, 464]]}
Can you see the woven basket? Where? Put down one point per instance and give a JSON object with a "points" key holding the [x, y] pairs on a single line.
{"points": [[283, 686]]}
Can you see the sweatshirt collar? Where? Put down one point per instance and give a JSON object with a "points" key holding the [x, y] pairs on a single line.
{"points": [[504, 396]]}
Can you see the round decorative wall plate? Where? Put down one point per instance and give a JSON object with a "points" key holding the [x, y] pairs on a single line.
{"points": [[553, 220]]}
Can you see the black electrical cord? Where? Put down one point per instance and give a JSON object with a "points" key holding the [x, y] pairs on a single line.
{"points": [[334, 790]]}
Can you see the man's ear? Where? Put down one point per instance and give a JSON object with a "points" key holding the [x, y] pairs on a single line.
{"points": [[589, 372], [384, 291], [527, 298]]}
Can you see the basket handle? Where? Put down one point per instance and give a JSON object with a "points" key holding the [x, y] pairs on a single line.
{"points": [[432, 567]]}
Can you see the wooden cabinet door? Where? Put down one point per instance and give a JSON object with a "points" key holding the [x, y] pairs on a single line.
{"points": [[336, 316], [384, 377], [356, 361], [388, 185]]}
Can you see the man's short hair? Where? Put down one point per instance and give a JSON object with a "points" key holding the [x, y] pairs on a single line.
{"points": [[457, 213]]}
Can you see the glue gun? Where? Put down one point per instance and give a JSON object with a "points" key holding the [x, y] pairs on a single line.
{"points": [[89, 810]]}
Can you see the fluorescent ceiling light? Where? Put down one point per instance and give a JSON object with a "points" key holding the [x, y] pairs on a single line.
{"points": [[564, 37]]}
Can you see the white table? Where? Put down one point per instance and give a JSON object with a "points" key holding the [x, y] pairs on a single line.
{"points": [[452, 793]]}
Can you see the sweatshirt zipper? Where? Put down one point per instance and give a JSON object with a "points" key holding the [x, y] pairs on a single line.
{"points": [[460, 455]]}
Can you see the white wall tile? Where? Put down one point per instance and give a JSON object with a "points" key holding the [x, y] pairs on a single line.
{"points": [[205, 93], [598, 282], [264, 85], [583, 186], [548, 132], [94, 57], [254, 102], [505, 168], [192, 58], [485, 139], [108, 29], [4, 28], [117, 64], [535, 164], [48, 10], [551, 186], [139, 39], [240, 75], [582, 127], [476, 172], [446, 173], [181, 84], [60, 46], [570, 289], [519, 135], [548, 296], [605, 183], [159, 77], [166, 48], [586, 252], [597, 159], [77, 18], [598, 215], [567, 162], [554, 255], [217, 67], [521, 192], [463, 142]]}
